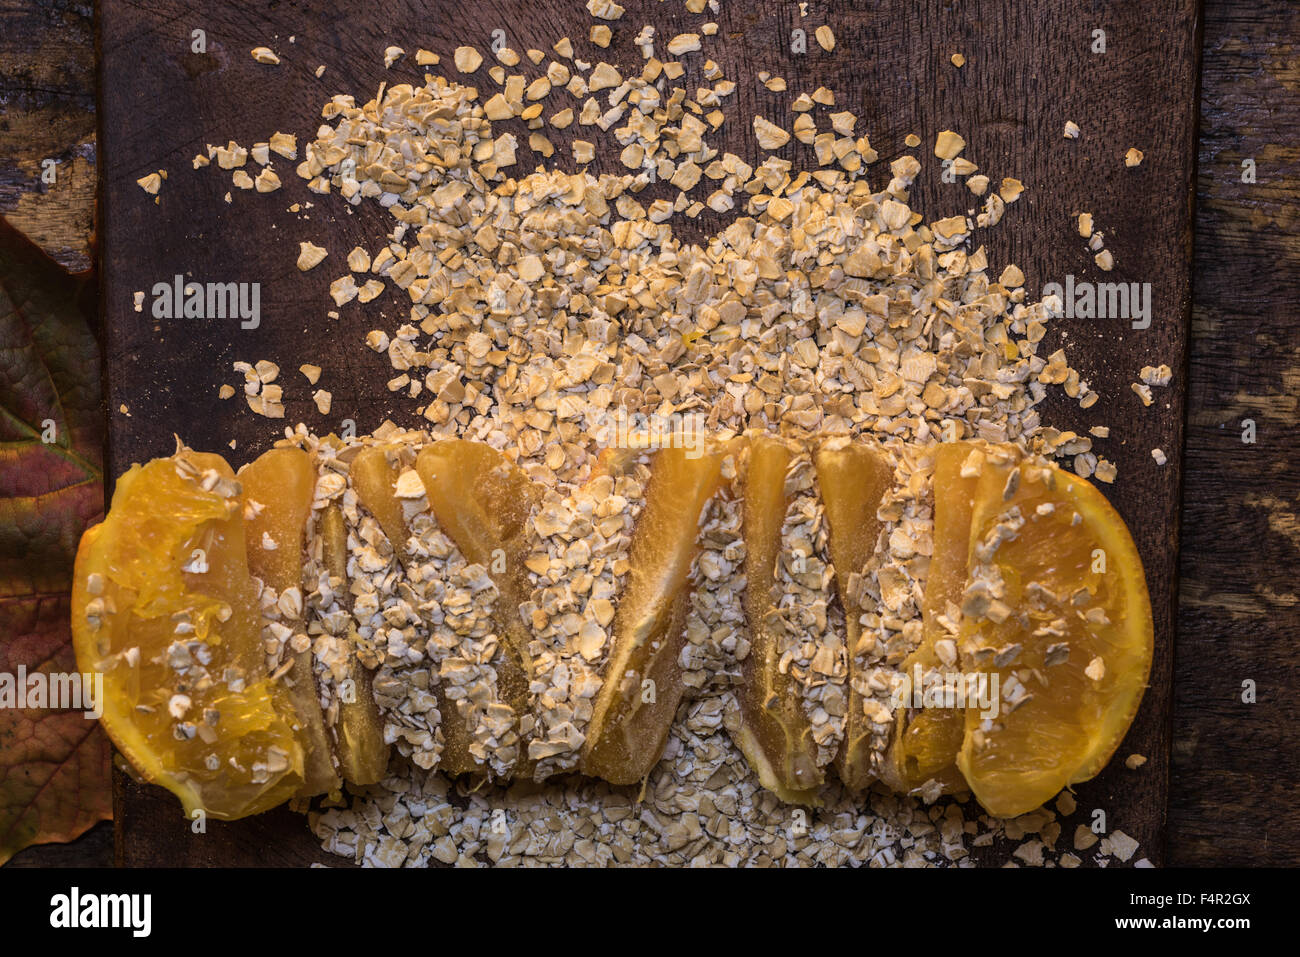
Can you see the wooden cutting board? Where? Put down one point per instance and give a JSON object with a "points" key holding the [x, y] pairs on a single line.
{"points": [[1031, 65]]}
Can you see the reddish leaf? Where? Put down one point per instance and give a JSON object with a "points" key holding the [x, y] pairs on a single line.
{"points": [[54, 764]]}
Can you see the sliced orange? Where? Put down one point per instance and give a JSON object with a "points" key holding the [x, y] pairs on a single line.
{"points": [[926, 740], [482, 501], [853, 479], [774, 734], [1056, 607], [282, 483], [643, 685], [165, 609]]}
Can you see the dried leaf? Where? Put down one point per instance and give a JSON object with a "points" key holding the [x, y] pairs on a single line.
{"points": [[54, 774]]}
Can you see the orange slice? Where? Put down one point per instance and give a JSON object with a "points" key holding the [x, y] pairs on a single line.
{"points": [[926, 740], [1056, 608], [483, 501], [643, 685], [853, 479], [281, 483], [165, 609], [774, 733]]}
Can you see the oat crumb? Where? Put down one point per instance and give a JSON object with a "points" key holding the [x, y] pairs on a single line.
{"points": [[310, 255]]}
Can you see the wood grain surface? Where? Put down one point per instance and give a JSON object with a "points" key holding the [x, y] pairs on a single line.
{"points": [[1030, 67], [1236, 766], [47, 95]]}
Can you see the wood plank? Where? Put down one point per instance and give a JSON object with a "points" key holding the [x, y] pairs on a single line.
{"points": [[1029, 69], [1235, 765], [47, 88]]}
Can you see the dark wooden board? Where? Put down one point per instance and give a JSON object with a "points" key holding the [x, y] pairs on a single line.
{"points": [[1236, 766], [1029, 69]]}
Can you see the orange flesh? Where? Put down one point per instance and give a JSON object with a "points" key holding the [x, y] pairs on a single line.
{"points": [[483, 502], [269, 740], [283, 481], [926, 740], [160, 522], [774, 734], [853, 480], [627, 732], [1079, 551]]}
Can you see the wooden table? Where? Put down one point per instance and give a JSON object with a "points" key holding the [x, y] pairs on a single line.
{"points": [[1029, 68]]}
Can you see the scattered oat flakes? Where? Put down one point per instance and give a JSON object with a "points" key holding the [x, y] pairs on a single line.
{"points": [[1118, 844], [1105, 260], [1133, 157], [151, 183], [1071, 130], [265, 55], [769, 135], [392, 55], [310, 255], [825, 38], [311, 372], [284, 144], [343, 290], [467, 59], [958, 60], [684, 43], [948, 144], [1160, 375]]}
